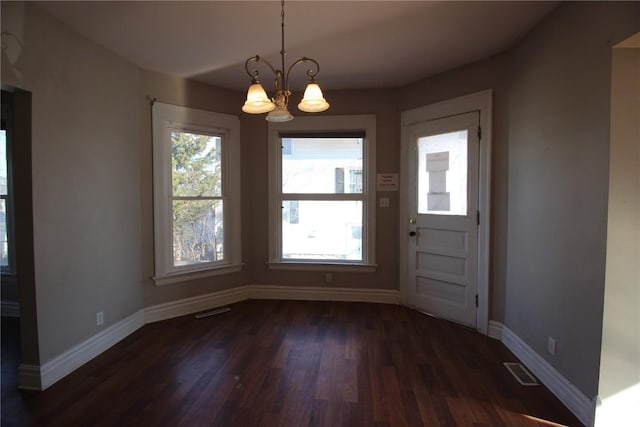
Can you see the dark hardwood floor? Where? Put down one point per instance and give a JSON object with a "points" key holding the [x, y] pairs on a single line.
{"points": [[293, 363]]}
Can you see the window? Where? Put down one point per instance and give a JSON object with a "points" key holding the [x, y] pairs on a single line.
{"points": [[196, 192], [7, 237], [322, 193], [6, 248]]}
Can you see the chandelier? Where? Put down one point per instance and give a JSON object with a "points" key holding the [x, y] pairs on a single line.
{"points": [[257, 101]]}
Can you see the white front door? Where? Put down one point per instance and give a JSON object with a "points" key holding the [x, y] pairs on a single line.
{"points": [[442, 251]]}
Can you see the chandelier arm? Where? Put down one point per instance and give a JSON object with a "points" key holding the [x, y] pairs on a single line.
{"points": [[255, 73], [311, 73]]}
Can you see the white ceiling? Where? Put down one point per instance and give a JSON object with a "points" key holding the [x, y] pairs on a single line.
{"points": [[359, 44]]}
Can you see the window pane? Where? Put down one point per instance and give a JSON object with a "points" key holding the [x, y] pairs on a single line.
{"points": [[196, 164], [322, 165], [3, 163], [325, 230], [4, 249], [198, 231], [442, 174], [4, 236]]}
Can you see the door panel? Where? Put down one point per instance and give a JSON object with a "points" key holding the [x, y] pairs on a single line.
{"points": [[443, 204]]}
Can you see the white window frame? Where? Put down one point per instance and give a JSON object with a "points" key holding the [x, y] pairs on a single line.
{"points": [[167, 117], [324, 124]]}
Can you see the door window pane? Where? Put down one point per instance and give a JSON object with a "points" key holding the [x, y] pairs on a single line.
{"points": [[442, 174], [198, 231], [321, 165], [322, 230]]}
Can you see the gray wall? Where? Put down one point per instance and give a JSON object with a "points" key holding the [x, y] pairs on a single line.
{"points": [[86, 182], [558, 183]]}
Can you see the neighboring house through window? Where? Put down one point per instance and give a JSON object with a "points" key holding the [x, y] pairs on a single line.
{"points": [[196, 193], [322, 194]]}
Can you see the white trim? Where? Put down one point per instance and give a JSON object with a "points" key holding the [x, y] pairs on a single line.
{"points": [[581, 406], [217, 299], [195, 274], [164, 118], [328, 267], [185, 306], [325, 124], [10, 308], [309, 293], [29, 377], [479, 101], [72, 359], [495, 330]]}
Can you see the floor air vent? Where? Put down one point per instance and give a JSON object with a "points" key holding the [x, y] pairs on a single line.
{"points": [[521, 373]]}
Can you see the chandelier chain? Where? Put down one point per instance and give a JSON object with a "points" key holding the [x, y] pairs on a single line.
{"points": [[282, 51]]}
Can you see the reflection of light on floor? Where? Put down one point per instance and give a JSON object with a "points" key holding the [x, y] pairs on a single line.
{"points": [[544, 422], [621, 409]]}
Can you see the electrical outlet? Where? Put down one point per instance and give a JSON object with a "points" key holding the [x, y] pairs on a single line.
{"points": [[100, 318], [551, 346], [328, 278]]}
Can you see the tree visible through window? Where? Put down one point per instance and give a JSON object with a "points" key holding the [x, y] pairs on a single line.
{"points": [[196, 168], [198, 210]]}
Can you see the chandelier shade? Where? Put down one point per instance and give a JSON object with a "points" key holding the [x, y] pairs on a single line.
{"points": [[313, 101], [258, 102], [279, 114]]}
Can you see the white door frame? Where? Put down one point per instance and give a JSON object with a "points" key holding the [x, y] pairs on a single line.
{"points": [[482, 102]]}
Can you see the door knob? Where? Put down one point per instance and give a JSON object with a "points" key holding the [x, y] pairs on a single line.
{"points": [[412, 233]]}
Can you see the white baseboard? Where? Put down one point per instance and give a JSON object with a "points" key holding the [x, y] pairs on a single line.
{"points": [[495, 330], [186, 306], [581, 406], [198, 303], [308, 293], [10, 308], [34, 377], [72, 359]]}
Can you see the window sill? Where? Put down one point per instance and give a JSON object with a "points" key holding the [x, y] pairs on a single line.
{"points": [[323, 266], [185, 276]]}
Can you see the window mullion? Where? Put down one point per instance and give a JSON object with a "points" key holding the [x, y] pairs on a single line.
{"points": [[197, 197], [323, 196]]}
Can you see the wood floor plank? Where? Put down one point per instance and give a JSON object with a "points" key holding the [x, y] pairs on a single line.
{"points": [[292, 363]]}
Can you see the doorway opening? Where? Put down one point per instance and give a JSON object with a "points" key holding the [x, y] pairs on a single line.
{"points": [[18, 277]]}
